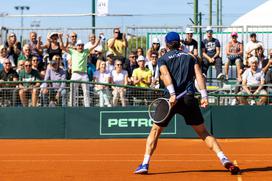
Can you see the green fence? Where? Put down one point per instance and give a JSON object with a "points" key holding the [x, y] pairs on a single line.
{"points": [[60, 122]]}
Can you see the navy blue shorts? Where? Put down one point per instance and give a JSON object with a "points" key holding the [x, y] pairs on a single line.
{"points": [[188, 107]]}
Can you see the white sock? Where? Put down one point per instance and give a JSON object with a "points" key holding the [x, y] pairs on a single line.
{"points": [[221, 155], [146, 159]]}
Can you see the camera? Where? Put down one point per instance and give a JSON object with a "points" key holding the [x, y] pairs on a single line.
{"points": [[102, 37], [120, 36]]}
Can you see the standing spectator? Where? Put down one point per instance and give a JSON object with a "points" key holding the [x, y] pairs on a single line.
{"points": [[154, 47], [119, 77], [211, 54], [252, 83], [153, 66], [97, 51], [56, 91], [26, 53], [79, 70], [190, 43], [13, 46], [234, 51], [140, 51], [118, 44], [4, 56], [73, 40], [33, 45], [52, 45], [102, 76], [30, 87], [130, 65], [251, 46], [8, 74]]}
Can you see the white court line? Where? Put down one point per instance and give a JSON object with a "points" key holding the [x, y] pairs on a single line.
{"points": [[79, 160], [239, 177], [124, 154]]}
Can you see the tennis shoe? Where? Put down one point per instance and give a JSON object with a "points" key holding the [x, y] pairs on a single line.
{"points": [[142, 169], [234, 170]]}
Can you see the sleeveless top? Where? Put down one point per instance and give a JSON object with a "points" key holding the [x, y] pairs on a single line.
{"points": [[234, 47], [51, 52]]}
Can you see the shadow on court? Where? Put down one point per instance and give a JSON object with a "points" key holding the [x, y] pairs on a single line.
{"points": [[187, 171], [259, 169]]}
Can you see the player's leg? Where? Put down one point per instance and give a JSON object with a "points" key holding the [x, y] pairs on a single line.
{"points": [[214, 146], [151, 144]]}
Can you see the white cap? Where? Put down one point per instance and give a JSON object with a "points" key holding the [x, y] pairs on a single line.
{"points": [[209, 28], [53, 33], [189, 30], [155, 40], [79, 42], [253, 59], [140, 58], [109, 53], [98, 48]]}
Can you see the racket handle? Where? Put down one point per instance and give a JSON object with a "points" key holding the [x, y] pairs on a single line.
{"points": [[181, 94]]}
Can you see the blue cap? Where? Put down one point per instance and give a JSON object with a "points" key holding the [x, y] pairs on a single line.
{"points": [[172, 36]]}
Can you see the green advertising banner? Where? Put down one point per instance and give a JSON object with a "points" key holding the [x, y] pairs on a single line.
{"points": [[129, 123]]}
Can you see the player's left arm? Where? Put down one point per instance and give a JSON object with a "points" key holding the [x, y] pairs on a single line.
{"points": [[202, 85]]}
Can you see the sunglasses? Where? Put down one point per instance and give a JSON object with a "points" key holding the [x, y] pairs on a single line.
{"points": [[7, 63], [57, 58], [118, 64], [74, 36], [35, 60], [27, 65], [116, 32]]}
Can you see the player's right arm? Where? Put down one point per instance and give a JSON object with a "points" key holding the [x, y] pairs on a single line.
{"points": [[167, 81]]}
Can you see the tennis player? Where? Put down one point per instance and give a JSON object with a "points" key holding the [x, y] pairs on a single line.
{"points": [[177, 71]]}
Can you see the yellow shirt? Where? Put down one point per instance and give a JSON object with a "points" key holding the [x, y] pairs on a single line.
{"points": [[119, 47], [139, 73]]}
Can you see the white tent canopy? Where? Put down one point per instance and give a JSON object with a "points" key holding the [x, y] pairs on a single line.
{"points": [[260, 16]]}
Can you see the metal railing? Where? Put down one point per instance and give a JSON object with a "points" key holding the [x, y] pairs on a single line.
{"points": [[100, 95]]}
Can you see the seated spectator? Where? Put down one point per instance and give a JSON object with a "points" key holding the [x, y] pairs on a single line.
{"points": [[154, 47], [263, 61], [35, 66], [252, 84], [4, 56], [109, 62], [102, 76], [13, 47], [268, 80], [190, 43], [30, 87], [26, 54], [130, 65], [8, 91], [251, 46], [119, 77], [20, 66], [153, 66], [140, 51], [211, 54], [234, 51], [142, 75], [55, 91]]}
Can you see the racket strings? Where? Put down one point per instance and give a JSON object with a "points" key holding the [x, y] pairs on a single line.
{"points": [[159, 110]]}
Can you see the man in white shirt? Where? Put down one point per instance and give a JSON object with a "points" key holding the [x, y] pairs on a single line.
{"points": [[252, 46], [252, 83]]}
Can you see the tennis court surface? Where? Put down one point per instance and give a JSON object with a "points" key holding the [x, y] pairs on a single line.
{"points": [[116, 159]]}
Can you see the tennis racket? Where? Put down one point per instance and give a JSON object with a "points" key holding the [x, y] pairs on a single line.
{"points": [[160, 108]]}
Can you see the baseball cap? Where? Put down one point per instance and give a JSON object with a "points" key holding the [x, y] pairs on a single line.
{"points": [[79, 42], [53, 34], [98, 48], [109, 53], [252, 34], [234, 34], [209, 29], [11, 34], [172, 36], [189, 30], [155, 40], [140, 58], [253, 59]]}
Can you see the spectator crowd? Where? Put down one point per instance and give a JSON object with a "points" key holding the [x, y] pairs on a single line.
{"points": [[65, 57]]}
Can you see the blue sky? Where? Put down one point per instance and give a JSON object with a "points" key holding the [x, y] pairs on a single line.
{"points": [[180, 12]]}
